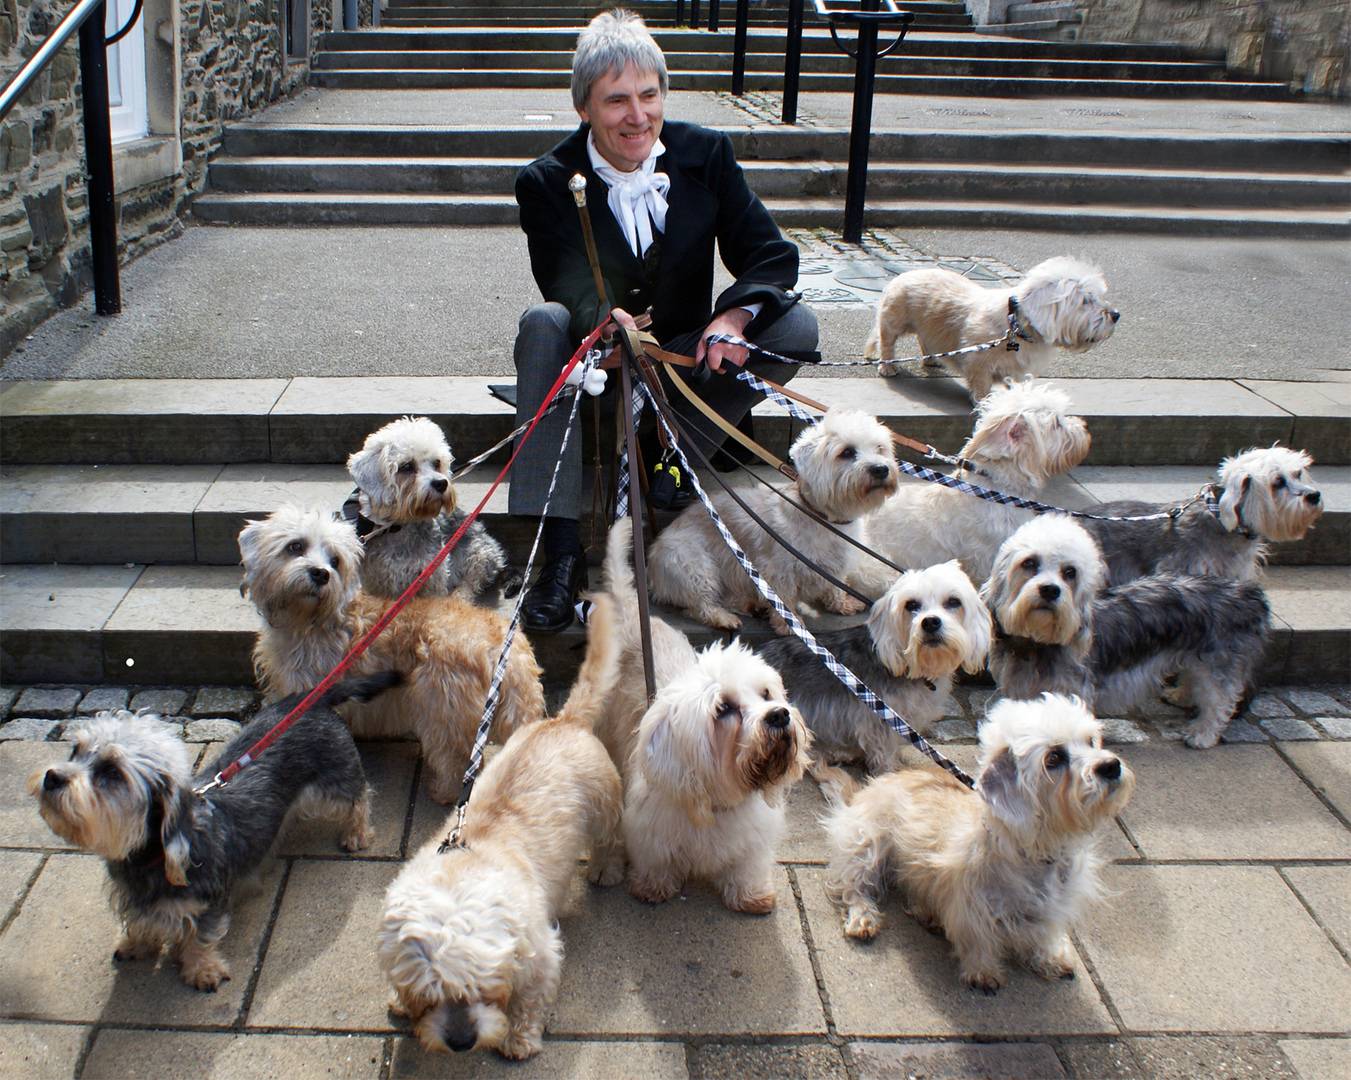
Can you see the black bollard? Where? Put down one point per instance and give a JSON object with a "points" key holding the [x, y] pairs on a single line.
{"points": [[743, 17], [98, 150], [792, 61]]}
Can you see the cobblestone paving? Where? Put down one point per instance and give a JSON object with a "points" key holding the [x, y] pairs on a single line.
{"points": [[1222, 949]]}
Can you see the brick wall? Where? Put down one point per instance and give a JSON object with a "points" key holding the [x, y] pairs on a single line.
{"points": [[219, 60], [1305, 43]]}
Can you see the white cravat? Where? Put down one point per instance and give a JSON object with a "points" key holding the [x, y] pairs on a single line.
{"points": [[637, 199]]}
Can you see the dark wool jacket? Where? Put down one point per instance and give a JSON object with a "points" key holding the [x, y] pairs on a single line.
{"points": [[709, 201]]}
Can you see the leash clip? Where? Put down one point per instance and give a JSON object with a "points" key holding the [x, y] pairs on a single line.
{"points": [[452, 839], [215, 782]]}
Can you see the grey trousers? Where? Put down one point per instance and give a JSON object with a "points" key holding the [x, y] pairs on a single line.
{"points": [[543, 347]]}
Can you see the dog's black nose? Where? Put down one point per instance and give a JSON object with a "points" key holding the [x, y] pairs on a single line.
{"points": [[458, 1029], [777, 718], [318, 575], [1115, 315], [53, 781], [932, 624], [1108, 770], [1313, 498], [1049, 592], [440, 485], [878, 472]]}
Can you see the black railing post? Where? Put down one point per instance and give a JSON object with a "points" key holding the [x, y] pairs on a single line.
{"points": [[98, 151], [792, 61], [694, 14], [714, 11], [680, 13], [743, 18]]}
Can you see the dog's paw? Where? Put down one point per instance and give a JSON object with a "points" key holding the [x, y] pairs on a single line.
{"points": [[1201, 739], [987, 982], [519, 1045], [206, 973], [718, 618], [755, 904], [651, 892], [605, 874], [845, 604], [862, 925], [134, 949], [1052, 967], [887, 369], [357, 839], [510, 581]]}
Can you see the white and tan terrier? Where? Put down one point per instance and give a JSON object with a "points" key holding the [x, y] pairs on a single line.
{"points": [[1003, 871]]}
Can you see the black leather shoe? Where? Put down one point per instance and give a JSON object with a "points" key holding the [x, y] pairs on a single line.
{"points": [[548, 604]]}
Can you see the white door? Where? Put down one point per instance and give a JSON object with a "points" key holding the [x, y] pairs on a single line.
{"points": [[126, 73]]}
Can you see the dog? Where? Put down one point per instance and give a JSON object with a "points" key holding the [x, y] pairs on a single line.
{"points": [[302, 572], [846, 468], [928, 624], [404, 511], [1024, 435], [1002, 870], [1059, 632], [1263, 495], [469, 938], [706, 765], [174, 858], [1061, 303]]}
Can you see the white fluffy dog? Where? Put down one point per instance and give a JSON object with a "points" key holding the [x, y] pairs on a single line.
{"points": [[1264, 494], [707, 765], [846, 468], [1003, 870], [405, 512], [924, 627], [1061, 303], [469, 939], [302, 572], [1024, 435]]}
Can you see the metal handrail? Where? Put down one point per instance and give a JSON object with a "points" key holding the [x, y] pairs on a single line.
{"points": [[19, 82]]}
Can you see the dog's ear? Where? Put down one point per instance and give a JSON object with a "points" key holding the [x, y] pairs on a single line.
{"points": [[979, 628], [995, 589], [998, 786], [365, 468], [665, 766], [176, 809], [1231, 500]]}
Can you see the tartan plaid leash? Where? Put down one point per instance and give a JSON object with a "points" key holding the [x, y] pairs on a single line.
{"points": [[224, 776]]}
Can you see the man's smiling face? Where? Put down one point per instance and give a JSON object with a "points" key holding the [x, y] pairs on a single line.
{"points": [[625, 114]]}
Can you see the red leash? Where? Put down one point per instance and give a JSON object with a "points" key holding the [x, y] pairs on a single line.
{"points": [[252, 753]]}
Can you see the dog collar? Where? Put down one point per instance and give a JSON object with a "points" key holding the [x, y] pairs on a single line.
{"points": [[1016, 331], [365, 526], [820, 513], [1213, 505]]}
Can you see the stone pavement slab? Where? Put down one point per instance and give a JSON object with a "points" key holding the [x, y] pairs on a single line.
{"points": [[1318, 1059], [389, 771], [17, 869], [905, 983], [1327, 766], [67, 926], [677, 967], [760, 1061], [20, 824], [573, 1060], [143, 1055], [955, 1061], [321, 971], [1327, 891], [1323, 410], [1213, 948], [40, 1051], [1170, 1058], [1199, 804]]}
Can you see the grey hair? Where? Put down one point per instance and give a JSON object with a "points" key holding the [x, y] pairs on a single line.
{"points": [[610, 42]]}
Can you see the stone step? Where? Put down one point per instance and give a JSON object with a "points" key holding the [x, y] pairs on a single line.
{"points": [[322, 420], [886, 83], [449, 18], [815, 39], [357, 208], [779, 179], [1276, 153], [105, 514], [758, 64], [188, 625]]}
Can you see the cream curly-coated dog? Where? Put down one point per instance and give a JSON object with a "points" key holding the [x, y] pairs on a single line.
{"points": [[302, 572], [1003, 870], [470, 939], [846, 468], [1061, 303], [707, 765], [1024, 435]]}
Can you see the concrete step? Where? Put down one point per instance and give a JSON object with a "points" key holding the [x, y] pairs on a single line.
{"points": [[92, 514], [322, 420], [716, 63], [188, 625], [778, 179], [815, 39], [361, 208], [1277, 153], [946, 24], [886, 83]]}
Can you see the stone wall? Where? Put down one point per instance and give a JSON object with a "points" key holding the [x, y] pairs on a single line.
{"points": [[208, 62], [1306, 43]]}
